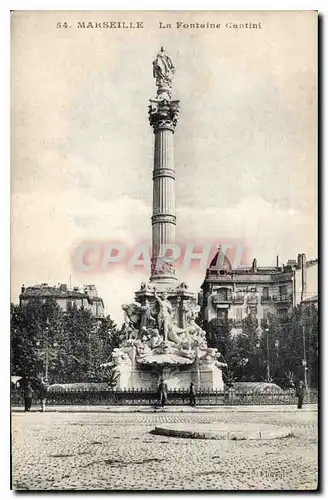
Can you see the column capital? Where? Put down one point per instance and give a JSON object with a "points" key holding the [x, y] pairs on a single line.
{"points": [[163, 114]]}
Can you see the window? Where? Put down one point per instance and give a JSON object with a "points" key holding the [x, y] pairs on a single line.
{"points": [[282, 313], [239, 313], [283, 290], [265, 292], [253, 311], [266, 312], [222, 294], [222, 315]]}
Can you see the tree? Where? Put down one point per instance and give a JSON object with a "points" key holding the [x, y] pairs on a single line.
{"points": [[245, 357], [102, 345], [73, 344], [79, 329], [110, 336], [218, 335], [33, 325], [301, 335], [311, 336]]}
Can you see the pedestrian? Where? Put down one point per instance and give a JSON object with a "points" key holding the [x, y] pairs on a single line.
{"points": [[162, 391], [43, 394], [300, 395], [28, 393], [192, 394]]}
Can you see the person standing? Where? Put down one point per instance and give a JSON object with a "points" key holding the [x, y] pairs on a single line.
{"points": [[43, 394], [162, 391], [192, 394], [28, 394], [300, 395]]}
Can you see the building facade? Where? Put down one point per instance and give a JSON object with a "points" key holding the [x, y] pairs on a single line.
{"points": [[86, 297], [233, 294]]}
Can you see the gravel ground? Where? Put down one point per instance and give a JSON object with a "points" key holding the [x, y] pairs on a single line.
{"points": [[99, 451]]}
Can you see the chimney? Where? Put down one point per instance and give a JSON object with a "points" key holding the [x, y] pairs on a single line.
{"points": [[277, 262], [254, 266], [23, 289], [299, 261]]}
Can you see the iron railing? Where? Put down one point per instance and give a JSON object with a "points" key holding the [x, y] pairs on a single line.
{"points": [[143, 397]]}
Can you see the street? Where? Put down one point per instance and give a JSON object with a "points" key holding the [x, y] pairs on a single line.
{"points": [[116, 451]]}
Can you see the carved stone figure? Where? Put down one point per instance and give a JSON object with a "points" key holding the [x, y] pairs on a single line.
{"points": [[142, 348], [185, 310], [132, 314], [163, 71], [161, 267], [209, 360], [164, 318], [145, 286], [156, 339], [187, 351], [173, 333], [147, 320], [121, 361], [131, 332]]}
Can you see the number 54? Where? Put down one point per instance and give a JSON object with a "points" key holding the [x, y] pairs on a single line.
{"points": [[62, 25]]}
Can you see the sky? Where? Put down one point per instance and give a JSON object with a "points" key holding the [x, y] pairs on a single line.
{"points": [[82, 147]]}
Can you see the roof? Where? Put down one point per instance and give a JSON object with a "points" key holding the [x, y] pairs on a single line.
{"points": [[58, 292], [51, 291], [225, 265], [314, 298], [312, 262]]}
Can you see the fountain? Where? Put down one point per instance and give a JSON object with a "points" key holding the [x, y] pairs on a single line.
{"points": [[161, 337]]}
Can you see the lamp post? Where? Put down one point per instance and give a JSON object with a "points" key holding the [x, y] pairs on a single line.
{"points": [[304, 361], [268, 354], [46, 348]]}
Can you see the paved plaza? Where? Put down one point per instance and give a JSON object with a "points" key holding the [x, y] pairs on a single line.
{"points": [[117, 451]]}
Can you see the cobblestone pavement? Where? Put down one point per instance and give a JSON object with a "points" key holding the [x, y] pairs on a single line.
{"points": [[98, 451]]}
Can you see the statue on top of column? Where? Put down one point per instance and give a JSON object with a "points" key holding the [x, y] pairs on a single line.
{"points": [[163, 71]]}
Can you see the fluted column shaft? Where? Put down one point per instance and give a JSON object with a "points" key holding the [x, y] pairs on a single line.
{"points": [[163, 119], [163, 219]]}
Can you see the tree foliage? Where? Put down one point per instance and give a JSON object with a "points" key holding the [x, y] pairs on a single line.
{"points": [[73, 343], [244, 356], [271, 351]]}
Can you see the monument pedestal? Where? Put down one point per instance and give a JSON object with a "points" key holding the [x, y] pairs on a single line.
{"points": [[176, 378]]}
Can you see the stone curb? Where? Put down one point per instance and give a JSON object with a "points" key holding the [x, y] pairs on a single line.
{"points": [[169, 409], [219, 434]]}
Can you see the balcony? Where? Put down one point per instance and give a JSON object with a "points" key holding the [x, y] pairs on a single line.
{"points": [[221, 299], [286, 298], [253, 300], [266, 298], [238, 298]]}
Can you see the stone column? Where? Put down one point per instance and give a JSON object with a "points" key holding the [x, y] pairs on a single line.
{"points": [[163, 115]]}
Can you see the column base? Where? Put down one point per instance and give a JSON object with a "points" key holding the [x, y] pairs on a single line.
{"points": [[162, 282]]}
